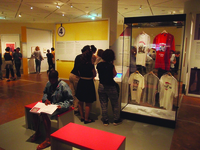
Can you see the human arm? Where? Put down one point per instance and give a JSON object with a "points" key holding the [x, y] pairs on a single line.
{"points": [[94, 72], [64, 96], [20, 56]]}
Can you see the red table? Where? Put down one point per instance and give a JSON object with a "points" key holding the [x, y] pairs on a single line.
{"points": [[82, 137]]}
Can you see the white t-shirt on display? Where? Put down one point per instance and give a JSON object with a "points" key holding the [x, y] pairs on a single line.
{"points": [[151, 82], [142, 43], [136, 81], [168, 91]]}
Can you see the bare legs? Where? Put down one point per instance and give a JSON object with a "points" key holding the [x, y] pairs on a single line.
{"points": [[87, 111], [80, 107], [47, 125]]}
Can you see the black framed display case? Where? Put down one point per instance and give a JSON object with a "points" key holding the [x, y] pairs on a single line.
{"points": [[151, 66]]}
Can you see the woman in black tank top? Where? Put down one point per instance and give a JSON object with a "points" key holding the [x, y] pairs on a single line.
{"points": [[9, 64]]}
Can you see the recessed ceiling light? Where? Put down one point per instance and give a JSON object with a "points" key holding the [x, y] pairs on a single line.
{"points": [[31, 7], [63, 15], [58, 6], [20, 15], [71, 5], [92, 17]]}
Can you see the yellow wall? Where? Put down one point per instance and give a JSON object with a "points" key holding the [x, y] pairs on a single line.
{"points": [[64, 68], [94, 30]]}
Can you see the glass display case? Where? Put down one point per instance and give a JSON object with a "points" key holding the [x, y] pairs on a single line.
{"points": [[152, 62]]}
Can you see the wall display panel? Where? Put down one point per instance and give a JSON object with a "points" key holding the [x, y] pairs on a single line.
{"points": [[10, 40], [41, 38], [77, 35], [153, 77], [68, 50]]}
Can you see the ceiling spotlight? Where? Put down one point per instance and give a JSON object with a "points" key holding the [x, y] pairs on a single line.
{"points": [[93, 18], [71, 5], [63, 15], [20, 15], [58, 6], [31, 8], [140, 6]]}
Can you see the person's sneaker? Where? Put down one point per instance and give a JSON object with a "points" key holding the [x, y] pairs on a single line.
{"points": [[106, 123], [117, 122]]}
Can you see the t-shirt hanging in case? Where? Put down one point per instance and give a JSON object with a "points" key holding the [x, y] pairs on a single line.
{"points": [[151, 83], [142, 44], [163, 44], [168, 91], [136, 81]]}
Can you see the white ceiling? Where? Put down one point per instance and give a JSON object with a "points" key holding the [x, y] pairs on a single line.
{"points": [[45, 11]]}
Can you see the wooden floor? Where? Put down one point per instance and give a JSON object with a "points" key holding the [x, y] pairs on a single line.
{"points": [[15, 94]]}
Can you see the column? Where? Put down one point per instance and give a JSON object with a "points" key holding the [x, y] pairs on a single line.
{"points": [[109, 10]]}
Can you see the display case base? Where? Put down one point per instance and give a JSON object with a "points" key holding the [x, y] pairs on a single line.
{"points": [[148, 119]]}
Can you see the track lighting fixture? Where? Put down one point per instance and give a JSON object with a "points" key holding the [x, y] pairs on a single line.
{"points": [[58, 6], [71, 5], [140, 6], [20, 15]]}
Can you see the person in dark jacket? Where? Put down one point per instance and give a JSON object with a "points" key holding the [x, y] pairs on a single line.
{"points": [[17, 56], [49, 59], [9, 64]]}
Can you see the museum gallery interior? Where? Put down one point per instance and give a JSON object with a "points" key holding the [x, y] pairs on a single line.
{"points": [[157, 57]]}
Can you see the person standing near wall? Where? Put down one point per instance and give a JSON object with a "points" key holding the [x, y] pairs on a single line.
{"points": [[108, 88], [17, 58], [9, 64], [53, 52], [38, 58], [85, 88], [49, 59], [74, 77]]}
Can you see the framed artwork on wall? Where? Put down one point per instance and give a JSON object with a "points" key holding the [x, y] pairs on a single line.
{"points": [[11, 45]]}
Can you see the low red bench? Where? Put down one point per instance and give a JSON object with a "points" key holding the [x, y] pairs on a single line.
{"points": [[62, 119], [82, 137]]}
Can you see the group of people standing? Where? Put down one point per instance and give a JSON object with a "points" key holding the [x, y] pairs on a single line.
{"points": [[38, 58], [82, 83], [10, 58]]}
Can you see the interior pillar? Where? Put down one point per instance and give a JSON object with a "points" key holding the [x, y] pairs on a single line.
{"points": [[109, 10]]}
